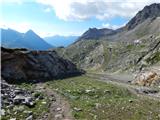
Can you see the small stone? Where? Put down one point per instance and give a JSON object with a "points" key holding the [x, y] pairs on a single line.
{"points": [[122, 108], [58, 109], [28, 112], [130, 101], [12, 119], [97, 105], [18, 99], [77, 109], [106, 91], [29, 118], [58, 116], [41, 97], [87, 91], [44, 102], [2, 112]]}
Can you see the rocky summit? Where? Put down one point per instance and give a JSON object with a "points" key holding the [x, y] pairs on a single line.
{"points": [[151, 11], [19, 65]]}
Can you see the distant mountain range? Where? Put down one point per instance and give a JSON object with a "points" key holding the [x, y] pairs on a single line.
{"points": [[30, 40], [58, 40]]}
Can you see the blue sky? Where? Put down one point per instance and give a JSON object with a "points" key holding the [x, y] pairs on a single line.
{"points": [[66, 17]]}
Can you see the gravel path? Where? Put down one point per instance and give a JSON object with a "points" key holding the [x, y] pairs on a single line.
{"points": [[124, 81]]}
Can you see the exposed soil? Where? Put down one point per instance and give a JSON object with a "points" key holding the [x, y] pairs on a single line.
{"points": [[59, 107]]}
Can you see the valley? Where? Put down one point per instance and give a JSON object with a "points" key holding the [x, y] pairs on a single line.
{"points": [[89, 97], [106, 74]]}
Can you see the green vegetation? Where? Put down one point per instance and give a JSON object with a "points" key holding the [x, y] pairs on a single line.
{"points": [[91, 99], [154, 58]]}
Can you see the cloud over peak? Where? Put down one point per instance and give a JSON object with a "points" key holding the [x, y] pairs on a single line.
{"points": [[78, 10]]}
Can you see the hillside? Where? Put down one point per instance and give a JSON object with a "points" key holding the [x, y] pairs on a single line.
{"points": [[104, 75], [126, 49], [30, 40]]}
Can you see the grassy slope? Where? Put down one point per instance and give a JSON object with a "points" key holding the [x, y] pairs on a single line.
{"points": [[104, 101]]}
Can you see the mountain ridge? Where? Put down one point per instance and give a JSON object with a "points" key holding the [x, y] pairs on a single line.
{"points": [[13, 39], [148, 12]]}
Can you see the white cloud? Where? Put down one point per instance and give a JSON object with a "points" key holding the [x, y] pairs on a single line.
{"points": [[110, 26], [100, 9]]}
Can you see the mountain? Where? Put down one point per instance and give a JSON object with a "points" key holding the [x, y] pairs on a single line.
{"points": [[30, 40], [94, 33], [130, 48], [134, 29], [151, 11], [58, 40]]}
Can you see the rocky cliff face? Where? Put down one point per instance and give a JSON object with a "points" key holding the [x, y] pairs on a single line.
{"points": [[151, 11], [23, 65]]}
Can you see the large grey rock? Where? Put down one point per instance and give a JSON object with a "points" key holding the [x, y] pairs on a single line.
{"points": [[19, 66]]}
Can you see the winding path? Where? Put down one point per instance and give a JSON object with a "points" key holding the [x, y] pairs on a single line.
{"points": [[125, 82], [59, 107]]}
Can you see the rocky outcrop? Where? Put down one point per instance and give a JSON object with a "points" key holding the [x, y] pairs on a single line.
{"points": [[147, 78], [19, 65]]}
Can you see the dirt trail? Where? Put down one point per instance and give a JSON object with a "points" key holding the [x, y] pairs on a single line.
{"points": [[140, 91], [59, 107]]}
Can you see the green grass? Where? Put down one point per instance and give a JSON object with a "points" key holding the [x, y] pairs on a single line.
{"points": [[104, 101], [154, 58]]}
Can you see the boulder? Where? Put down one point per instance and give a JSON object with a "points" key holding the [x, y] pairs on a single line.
{"points": [[19, 99], [30, 117], [147, 78]]}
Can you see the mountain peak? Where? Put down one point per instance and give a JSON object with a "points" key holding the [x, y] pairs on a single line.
{"points": [[30, 31], [94, 33], [152, 11], [30, 40]]}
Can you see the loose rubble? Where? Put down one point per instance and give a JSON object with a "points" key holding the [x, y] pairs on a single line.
{"points": [[15, 100], [12, 95]]}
